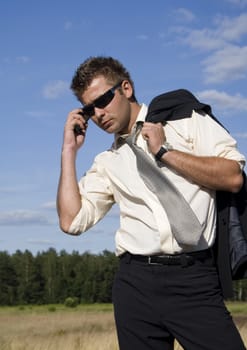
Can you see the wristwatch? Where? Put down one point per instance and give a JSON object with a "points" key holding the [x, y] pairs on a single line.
{"points": [[163, 149]]}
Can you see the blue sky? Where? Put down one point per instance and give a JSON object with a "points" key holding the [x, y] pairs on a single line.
{"points": [[197, 45]]}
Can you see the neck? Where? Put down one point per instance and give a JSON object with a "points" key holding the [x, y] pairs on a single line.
{"points": [[135, 109]]}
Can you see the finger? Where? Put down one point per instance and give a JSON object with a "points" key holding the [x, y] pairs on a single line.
{"points": [[76, 117], [145, 136], [80, 128], [77, 113]]}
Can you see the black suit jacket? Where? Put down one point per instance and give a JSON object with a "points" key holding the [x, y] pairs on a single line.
{"points": [[230, 248]]}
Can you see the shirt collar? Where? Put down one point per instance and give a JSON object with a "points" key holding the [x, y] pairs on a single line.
{"points": [[140, 118]]}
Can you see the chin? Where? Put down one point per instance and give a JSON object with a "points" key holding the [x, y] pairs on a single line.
{"points": [[110, 131]]}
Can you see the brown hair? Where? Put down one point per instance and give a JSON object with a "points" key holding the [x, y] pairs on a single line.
{"points": [[110, 68]]}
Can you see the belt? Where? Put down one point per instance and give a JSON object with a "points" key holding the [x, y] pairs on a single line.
{"points": [[183, 259]]}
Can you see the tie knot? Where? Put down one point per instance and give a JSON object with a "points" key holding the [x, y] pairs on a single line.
{"points": [[120, 141], [129, 138]]}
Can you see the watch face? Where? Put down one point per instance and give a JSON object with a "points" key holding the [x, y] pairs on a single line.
{"points": [[168, 146]]}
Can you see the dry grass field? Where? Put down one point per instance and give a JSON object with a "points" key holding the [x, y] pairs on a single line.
{"points": [[56, 327]]}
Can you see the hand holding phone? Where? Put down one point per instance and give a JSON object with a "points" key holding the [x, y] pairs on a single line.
{"points": [[77, 129]]}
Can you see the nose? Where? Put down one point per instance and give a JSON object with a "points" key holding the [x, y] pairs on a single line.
{"points": [[98, 113]]}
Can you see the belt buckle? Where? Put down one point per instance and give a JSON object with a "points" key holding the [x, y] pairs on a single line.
{"points": [[150, 261]]}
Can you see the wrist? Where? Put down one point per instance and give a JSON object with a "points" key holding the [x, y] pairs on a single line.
{"points": [[69, 153], [69, 147], [166, 147]]}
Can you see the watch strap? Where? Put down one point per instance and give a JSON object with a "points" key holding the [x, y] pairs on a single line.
{"points": [[163, 149], [161, 152]]}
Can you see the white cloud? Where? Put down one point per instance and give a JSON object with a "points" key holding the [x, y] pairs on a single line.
{"points": [[232, 29], [49, 205], [226, 58], [240, 135], [22, 218], [228, 63], [240, 3], [203, 40], [55, 89], [23, 59], [223, 101], [227, 30], [142, 37], [184, 15]]}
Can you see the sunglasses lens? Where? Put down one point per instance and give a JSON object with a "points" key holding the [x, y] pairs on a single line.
{"points": [[100, 102], [104, 100]]}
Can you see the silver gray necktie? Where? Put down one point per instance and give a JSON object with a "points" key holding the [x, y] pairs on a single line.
{"points": [[184, 224]]}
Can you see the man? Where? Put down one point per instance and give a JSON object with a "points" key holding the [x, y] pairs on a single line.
{"points": [[164, 290]]}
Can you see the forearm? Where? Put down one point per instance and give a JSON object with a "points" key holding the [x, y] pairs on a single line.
{"points": [[211, 172], [216, 173], [68, 196]]}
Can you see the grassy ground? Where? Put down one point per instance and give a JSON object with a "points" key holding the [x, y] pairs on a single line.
{"points": [[86, 327]]}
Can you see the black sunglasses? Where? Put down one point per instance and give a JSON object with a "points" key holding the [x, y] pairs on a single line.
{"points": [[100, 102]]}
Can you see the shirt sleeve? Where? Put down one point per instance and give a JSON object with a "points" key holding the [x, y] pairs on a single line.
{"points": [[211, 139], [96, 198]]}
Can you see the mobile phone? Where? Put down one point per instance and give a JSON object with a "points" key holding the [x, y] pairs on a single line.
{"points": [[77, 128]]}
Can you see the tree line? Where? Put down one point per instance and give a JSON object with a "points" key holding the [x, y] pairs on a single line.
{"points": [[50, 277]]}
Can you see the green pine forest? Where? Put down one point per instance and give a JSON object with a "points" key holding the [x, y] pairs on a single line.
{"points": [[51, 277]]}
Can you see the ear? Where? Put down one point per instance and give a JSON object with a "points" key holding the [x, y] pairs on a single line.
{"points": [[127, 89]]}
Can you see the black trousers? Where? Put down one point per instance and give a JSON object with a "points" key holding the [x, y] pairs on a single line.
{"points": [[155, 304]]}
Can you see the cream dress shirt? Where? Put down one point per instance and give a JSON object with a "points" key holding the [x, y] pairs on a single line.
{"points": [[144, 226]]}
